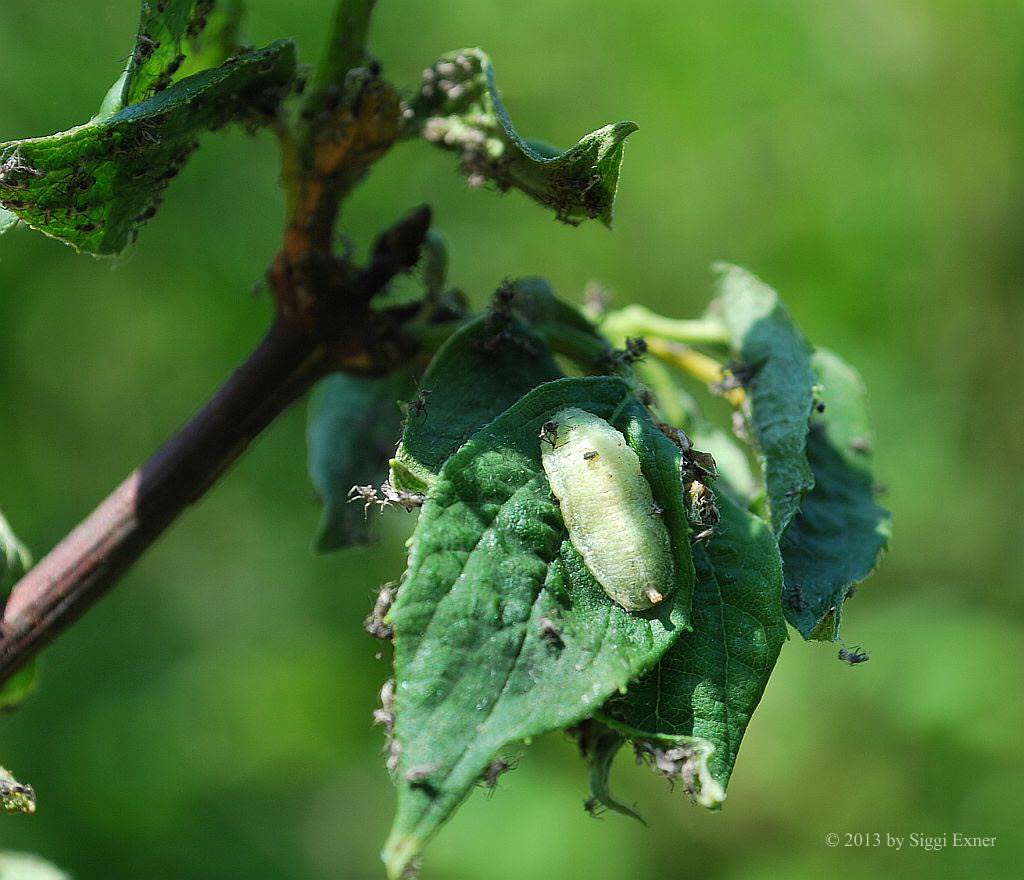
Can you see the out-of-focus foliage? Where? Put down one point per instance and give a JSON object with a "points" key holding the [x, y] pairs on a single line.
{"points": [[862, 158]]}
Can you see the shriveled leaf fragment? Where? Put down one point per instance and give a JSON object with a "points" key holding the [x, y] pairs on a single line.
{"points": [[477, 374], [774, 361], [501, 632], [836, 538], [458, 108], [93, 186], [25, 866], [707, 685], [352, 427], [15, 797]]}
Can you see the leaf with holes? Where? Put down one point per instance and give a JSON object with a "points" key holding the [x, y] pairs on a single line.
{"points": [[501, 632], [774, 363], [707, 685], [836, 538], [458, 109], [93, 186]]}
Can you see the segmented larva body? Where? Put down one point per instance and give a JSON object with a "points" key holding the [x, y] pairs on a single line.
{"points": [[607, 508]]}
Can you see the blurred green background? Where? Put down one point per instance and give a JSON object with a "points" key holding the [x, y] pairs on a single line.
{"points": [[211, 717]]}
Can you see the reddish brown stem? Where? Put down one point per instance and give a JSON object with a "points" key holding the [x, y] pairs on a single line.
{"points": [[80, 569]]}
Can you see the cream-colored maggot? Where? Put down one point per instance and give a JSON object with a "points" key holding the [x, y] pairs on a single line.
{"points": [[608, 509]]}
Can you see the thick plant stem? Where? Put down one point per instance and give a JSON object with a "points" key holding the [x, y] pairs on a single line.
{"points": [[80, 569]]}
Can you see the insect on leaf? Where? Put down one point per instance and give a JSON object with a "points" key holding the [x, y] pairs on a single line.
{"points": [[779, 383], [490, 562], [353, 423], [836, 538], [458, 109], [477, 374], [93, 186], [707, 685]]}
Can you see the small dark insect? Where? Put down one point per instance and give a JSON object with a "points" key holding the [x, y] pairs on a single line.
{"points": [[590, 454], [550, 633], [645, 397], [819, 406], [793, 597], [853, 656], [549, 433], [366, 494], [494, 771], [636, 348], [418, 405], [593, 806]]}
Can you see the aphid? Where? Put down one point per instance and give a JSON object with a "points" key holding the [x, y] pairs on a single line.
{"points": [[366, 494], [390, 495], [819, 406], [494, 771], [590, 455], [853, 656], [374, 624], [549, 433], [793, 598], [606, 505], [550, 633], [418, 405]]}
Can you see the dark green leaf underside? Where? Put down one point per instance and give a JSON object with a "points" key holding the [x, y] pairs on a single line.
{"points": [[489, 560], [352, 426], [836, 538], [458, 108], [709, 682], [776, 358], [93, 186], [475, 376]]}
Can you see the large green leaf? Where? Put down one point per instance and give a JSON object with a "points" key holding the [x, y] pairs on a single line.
{"points": [[491, 574], [478, 373], [93, 186], [707, 685], [458, 108], [774, 361], [352, 427], [836, 538]]}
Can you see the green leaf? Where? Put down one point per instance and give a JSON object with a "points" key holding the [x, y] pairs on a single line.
{"points": [[501, 632], [836, 538], [478, 373], [352, 427], [7, 220], [93, 186], [15, 797], [171, 33], [707, 685], [15, 561], [775, 361], [24, 866], [458, 109]]}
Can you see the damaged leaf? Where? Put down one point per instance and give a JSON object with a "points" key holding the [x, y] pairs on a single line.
{"points": [[458, 109], [707, 685], [491, 574], [775, 361], [836, 538], [93, 186]]}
